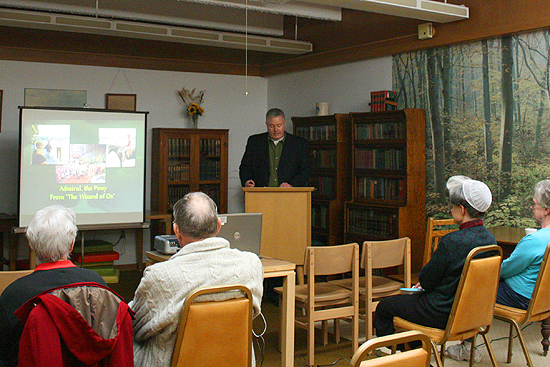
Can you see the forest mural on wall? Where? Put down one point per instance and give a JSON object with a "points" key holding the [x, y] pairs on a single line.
{"points": [[487, 117]]}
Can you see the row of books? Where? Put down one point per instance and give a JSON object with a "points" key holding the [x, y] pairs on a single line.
{"points": [[323, 158], [175, 193], [372, 223], [319, 216], [381, 130], [179, 147], [383, 100], [324, 184], [99, 257], [213, 191], [210, 147], [179, 172], [381, 188], [317, 132], [209, 170], [390, 159]]}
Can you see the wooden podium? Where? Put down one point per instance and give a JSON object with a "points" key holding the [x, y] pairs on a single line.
{"points": [[286, 220]]}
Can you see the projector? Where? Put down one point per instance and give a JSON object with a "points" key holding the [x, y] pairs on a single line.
{"points": [[167, 244]]}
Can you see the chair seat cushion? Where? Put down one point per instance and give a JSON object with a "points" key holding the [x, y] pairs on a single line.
{"points": [[381, 286]]}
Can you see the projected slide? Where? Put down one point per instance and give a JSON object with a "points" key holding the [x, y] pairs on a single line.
{"points": [[91, 161]]}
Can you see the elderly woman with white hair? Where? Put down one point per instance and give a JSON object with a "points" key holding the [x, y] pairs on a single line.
{"points": [[519, 272], [51, 234], [439, 278]]}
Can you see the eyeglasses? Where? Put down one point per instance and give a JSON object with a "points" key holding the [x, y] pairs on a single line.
{"points": [[534, 206]]}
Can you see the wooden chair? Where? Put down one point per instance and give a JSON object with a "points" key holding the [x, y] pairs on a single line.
{"points": [[8, 277], [420, 357], [324, 300], [538, 309], [436, 228], [215, 333], [380, 255], [472, 311]]}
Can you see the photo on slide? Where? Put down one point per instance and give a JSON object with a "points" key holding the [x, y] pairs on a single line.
{"points": [[87, 165], [121, 146], [50, 144]]}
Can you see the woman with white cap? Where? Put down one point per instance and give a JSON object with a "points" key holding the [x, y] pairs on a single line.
{"points": [[439, 278], [519, 272]]}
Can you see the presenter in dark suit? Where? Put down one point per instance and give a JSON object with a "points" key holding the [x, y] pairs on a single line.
{"points": [[275, 158]]}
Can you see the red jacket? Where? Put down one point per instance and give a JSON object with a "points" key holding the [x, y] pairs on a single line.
{"points": [[56, 334]]}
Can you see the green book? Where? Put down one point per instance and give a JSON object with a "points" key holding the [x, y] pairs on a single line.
{"points": [[112, 278], [104, 270]]}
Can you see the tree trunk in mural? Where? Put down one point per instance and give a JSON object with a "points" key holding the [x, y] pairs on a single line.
{"points": [[446, 89], [437, 128], [507, 122], [486, 103]]}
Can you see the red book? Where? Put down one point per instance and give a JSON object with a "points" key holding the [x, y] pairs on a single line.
{"points": [[96, 257]]}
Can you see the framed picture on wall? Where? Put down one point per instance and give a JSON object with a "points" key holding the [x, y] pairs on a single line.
{"points": [[125, 102]]}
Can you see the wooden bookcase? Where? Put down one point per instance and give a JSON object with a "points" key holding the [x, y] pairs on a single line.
{"points": [[329, 139], [186, 160], [388, 178]]}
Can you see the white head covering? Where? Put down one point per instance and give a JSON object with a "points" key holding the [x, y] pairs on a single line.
{"points": [[476, 193]]}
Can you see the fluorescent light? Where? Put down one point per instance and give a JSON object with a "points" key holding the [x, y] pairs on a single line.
{"points": [[23, 18], [433, 11]]}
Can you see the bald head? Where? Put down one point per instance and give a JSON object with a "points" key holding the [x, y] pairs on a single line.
{"points": [[196, 215]]}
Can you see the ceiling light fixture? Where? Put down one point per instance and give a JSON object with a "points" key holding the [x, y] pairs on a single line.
{"points": [[109, 27], [433, 11]]}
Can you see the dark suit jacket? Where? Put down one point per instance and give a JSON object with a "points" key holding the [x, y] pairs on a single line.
{"points": [[294, 167]]}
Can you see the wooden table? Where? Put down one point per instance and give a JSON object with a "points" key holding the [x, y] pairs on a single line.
{"points": [[273, 268], [507, 238]]}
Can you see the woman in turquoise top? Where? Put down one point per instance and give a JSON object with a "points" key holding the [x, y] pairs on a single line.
{"points": [[519, 272]]}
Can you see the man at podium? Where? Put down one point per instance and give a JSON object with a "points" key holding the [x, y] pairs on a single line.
{"points": [[275, 158]]}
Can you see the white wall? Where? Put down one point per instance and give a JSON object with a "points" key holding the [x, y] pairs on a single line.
{"points": [[345, 87], [226, 106]]}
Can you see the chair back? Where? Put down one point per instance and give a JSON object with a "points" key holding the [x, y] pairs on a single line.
{"points": [[436, 229], [8, 277], [420, 357], [539, 306], [328, 260], [473, 307], [215, 333], [387, 254]]}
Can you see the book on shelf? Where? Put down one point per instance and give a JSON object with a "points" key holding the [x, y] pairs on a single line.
{"points": [[179, 147], [380, 100], [317, 132], [380, 130], [94, 257], [381, 188], [388, 159], [370, 222], [323, 158]]}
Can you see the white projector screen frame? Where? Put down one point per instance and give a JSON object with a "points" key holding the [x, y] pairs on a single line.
{"points": [[89, 160]]}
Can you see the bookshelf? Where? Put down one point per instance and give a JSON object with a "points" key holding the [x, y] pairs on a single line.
{"points": [[388, 178], [186, 160], [329, 140]]}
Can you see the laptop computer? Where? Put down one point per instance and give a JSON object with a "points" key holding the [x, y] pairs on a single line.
{"points": [[242, 230]]}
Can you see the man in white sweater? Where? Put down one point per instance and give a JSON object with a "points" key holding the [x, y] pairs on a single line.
{"points": [[203, 260]]}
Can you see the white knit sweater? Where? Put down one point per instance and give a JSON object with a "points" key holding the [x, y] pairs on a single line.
{"points": [[159, 298]]}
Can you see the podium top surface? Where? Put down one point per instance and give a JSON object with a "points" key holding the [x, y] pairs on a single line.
{"points": [[277, 189]]}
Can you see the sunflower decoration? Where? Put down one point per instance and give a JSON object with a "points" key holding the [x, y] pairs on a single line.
{"points": [[193, 102]]}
